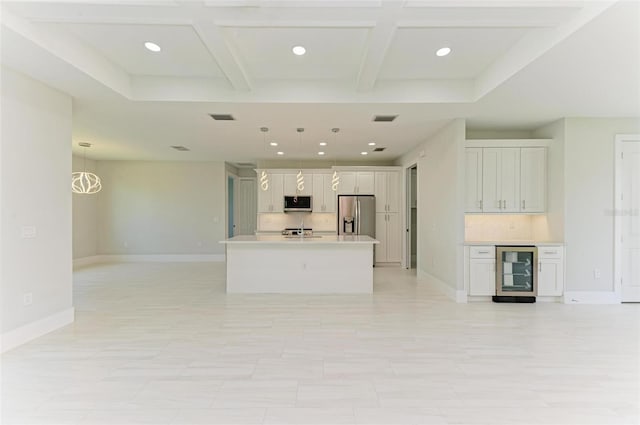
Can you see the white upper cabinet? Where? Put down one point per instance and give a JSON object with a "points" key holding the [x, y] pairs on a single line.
{"points": [[291, 184], [324, 198], [505, 180], [356, 182], [387, 191], [533, 179], [272, 199], [473, 179]]}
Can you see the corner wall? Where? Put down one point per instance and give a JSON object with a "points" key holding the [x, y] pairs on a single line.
{"points": [[440, 194], [35, 195]]}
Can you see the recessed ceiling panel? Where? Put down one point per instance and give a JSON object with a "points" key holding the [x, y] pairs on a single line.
{"points": [[331, 53], [183, 53], [412, 53]]}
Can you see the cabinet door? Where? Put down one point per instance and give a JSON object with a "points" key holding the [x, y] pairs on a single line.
{"points": [[394, 238], [491, 198], [381, 235], [473, 180], [550, 277], [482, 277], [393, 191], [277, 192], [509, 176], [329, 194], [381, 191], [265, 196], [318, 193], [533, 172], [347, 184], [365, 183]]}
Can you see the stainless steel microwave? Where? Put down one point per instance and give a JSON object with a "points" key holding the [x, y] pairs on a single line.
{"points": [[297, 203]]}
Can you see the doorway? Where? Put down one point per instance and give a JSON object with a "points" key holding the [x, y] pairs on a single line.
{"points": [[627, 217], [231, 225], [412, 217]]}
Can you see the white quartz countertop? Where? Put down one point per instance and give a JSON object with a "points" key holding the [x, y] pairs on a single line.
{"points": [[315, 239], [514, 243]]}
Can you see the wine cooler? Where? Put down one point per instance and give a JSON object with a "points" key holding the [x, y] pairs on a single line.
{"points": [[516, 274]]}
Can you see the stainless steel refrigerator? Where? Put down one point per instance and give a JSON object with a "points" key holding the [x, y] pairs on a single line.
{"points": [[357, 215]]}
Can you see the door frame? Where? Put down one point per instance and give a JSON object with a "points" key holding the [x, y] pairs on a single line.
{"points": [[407, 216], [617, 225], [228, 175]]}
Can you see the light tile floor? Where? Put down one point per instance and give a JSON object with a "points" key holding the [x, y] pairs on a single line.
{"points": [[163, 344]]}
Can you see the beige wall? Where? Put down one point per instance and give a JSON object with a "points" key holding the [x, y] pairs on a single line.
{"points": [[161, 207], [589, 188], [85, 215], [35, 191]]}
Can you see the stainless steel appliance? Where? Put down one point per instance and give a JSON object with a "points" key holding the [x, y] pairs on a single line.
{"points": [[297, 203], [357, 215], [516, 274]]}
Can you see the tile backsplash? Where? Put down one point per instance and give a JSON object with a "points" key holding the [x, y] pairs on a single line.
{"points": [[499, 227], [319, 222]]}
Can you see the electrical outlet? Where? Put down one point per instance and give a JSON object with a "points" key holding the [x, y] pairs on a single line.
{"points": [[125, 244], [27, 298], [596, 274]]}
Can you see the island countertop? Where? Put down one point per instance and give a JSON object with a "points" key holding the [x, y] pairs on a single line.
{"points": [[316, 239]]}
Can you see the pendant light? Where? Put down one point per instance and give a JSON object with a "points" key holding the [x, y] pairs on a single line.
{"points": [[83, 182], [264, 177], [335, 178], [299, 176]]}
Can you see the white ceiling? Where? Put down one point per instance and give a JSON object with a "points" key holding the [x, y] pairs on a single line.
{"points": [[514, 65]]}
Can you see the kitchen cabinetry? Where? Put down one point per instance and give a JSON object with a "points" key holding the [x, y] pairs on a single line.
{"points": [[473, 179], [482, 270], [356, 183], [550, 271], [387, 191], [291, 184], [505, 180], [272, 199], [388, 232], [324, 198]]}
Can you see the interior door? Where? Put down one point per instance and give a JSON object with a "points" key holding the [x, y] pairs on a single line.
{"points": [[630, 221]]}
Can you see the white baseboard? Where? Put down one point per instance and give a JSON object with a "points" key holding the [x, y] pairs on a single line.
{"points": [[31, 331], [151, 258], [591, 297], [459, 296]]}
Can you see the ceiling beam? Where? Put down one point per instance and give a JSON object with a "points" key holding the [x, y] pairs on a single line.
{"points": [[224, 53], [380, 38]]}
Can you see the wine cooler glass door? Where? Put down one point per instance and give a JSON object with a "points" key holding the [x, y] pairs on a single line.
{"points": [[516, 274]]}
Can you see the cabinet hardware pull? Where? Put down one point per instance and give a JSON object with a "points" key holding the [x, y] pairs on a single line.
{"points": [[483, 252], [480, 204], [549, 252]]}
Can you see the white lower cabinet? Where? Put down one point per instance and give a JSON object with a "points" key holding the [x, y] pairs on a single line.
{"points": [[389, 250], [482, 270], [550, 271]]}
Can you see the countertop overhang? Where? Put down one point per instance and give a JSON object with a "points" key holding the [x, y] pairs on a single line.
{"points": [[279, 239], [514, 243]]}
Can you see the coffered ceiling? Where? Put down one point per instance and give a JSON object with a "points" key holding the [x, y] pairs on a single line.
{"points": [[363, 58]]}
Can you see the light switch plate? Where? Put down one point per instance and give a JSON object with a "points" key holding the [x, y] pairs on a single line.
{"points": [[28, 232]]}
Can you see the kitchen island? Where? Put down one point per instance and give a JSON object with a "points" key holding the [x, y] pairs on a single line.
{"points": [[300, 265]]}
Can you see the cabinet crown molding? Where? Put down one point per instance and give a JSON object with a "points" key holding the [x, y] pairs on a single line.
{"points": [[507, 143]]}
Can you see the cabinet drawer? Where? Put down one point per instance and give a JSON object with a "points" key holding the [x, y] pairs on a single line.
{"points": [[549, 252], [482, 252]]}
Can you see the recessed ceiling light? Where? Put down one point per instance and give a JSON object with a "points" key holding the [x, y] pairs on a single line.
{"points": [[280, 153], [364, 153], [273, 143], [299, 50], [371, 143], [152, 46], [443, 51], [320, 153], [323, 143]]}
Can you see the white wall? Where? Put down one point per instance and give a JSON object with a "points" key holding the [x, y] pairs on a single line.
{"points": [[35, 191], [589, 189], [161, 207], [441, 204], [85, 215]]}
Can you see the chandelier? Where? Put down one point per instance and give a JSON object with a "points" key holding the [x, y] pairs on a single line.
{"points": [[83, 182], [335, 178], [264, 177]]}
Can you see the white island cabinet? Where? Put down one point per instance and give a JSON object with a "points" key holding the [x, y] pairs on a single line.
{"points": [[300, 265]]}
